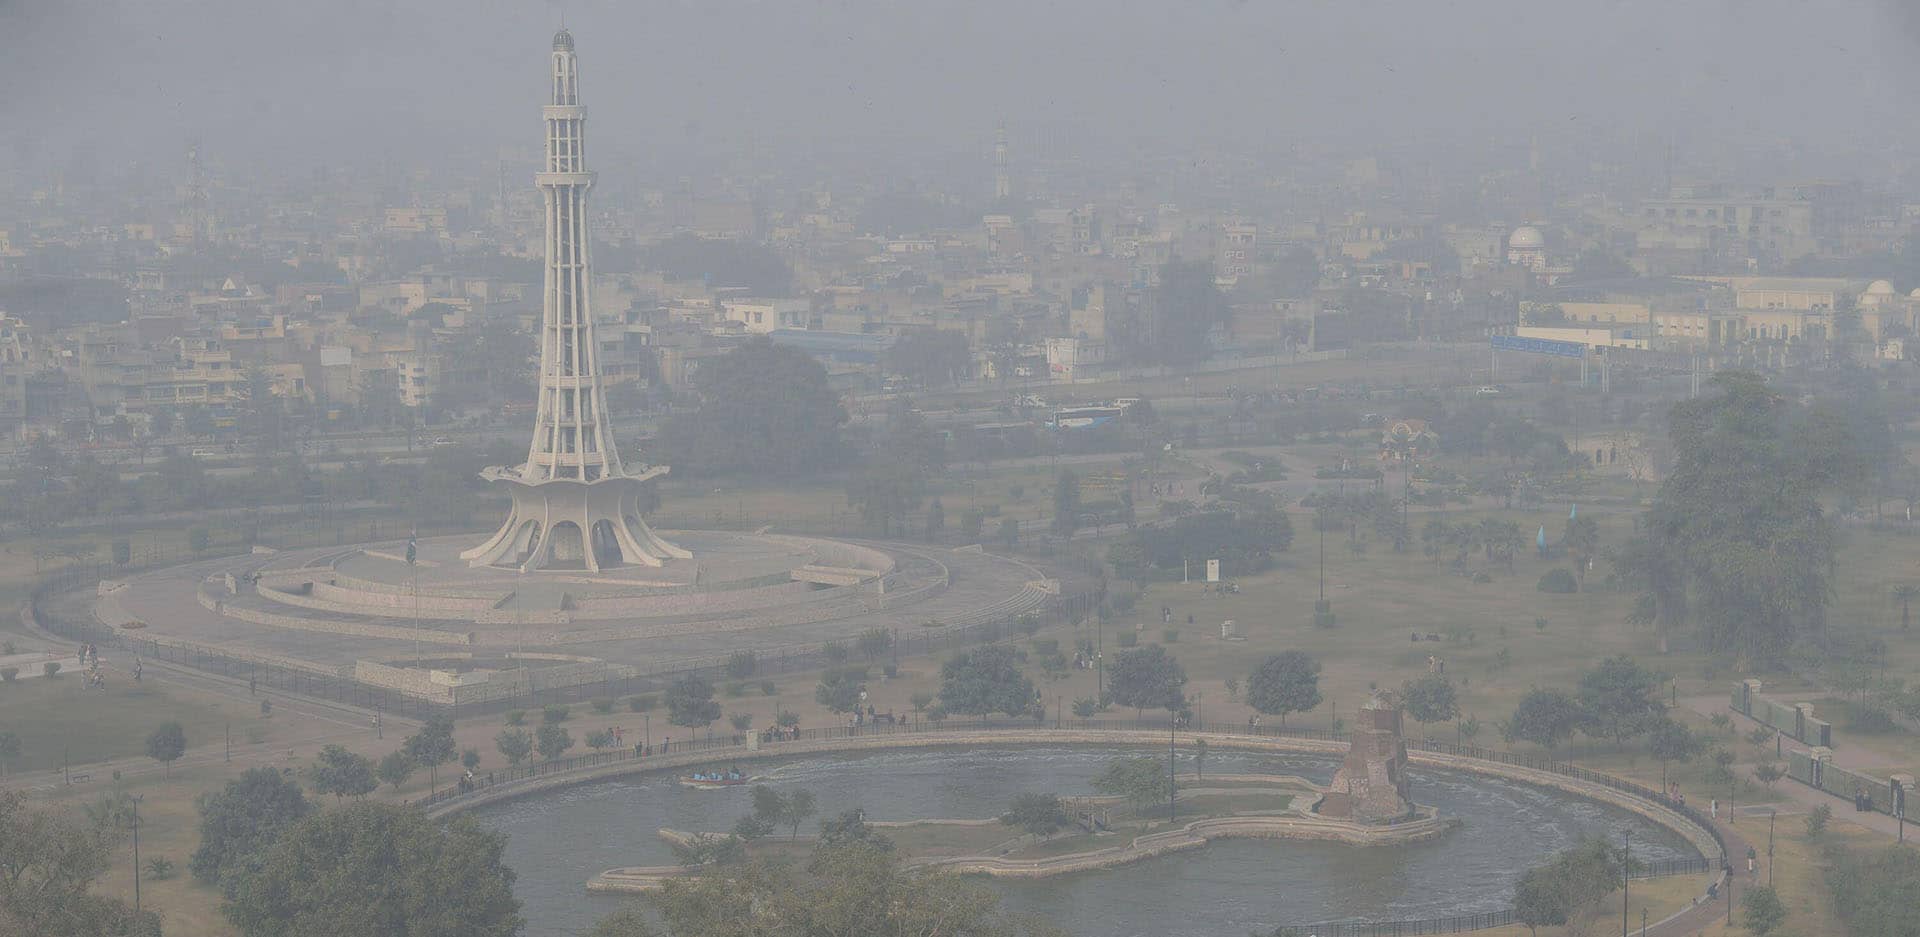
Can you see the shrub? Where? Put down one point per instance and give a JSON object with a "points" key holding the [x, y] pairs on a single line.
{"points": [[737, 688], [741, 721], [767, 688], [8, 673], [159, 868], [603, 705], [554, 714], [642, 703], [742, 665], [1559, 581], [1817, 820], [1170, 636], [891, 671], [1128, 638], [1323, 614], [516, 717], [51, 668]]}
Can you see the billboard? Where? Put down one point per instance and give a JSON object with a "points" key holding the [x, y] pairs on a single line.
{"points": [[1213, 570], [1539, 346]]}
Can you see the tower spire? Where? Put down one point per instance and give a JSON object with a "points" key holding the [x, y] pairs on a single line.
{"points": [[574, 502]]}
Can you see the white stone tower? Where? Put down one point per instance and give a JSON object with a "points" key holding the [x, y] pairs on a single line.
{"points": [[1002, 182], [575, 506]]}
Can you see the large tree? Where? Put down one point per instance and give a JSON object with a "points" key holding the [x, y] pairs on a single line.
{"points": [[1618, 698], [1185, 306], [765, 411], [1545, 717], [377, 870], [48, 864], [1147, 677], [1287, 682], [690, 702], [342, 773], [985, 680], [240, 822], [1737, 540]]}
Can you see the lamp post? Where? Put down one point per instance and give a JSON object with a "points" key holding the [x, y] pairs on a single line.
{"points": [[1626, 877], [136, 851], [1770, 817]]}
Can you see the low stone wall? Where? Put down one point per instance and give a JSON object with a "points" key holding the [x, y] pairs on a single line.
{"points": [[1699, 838], [401, 603], [351, 628]]}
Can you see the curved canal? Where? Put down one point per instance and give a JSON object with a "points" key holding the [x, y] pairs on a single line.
{"points": [[558, 840]]}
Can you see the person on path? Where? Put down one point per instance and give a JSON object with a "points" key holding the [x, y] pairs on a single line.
{"points": [[1713, 808], [1752, 871]]}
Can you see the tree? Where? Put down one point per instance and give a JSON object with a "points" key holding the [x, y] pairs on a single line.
{"points": [[1567, 885], [1767, 773], [600, 739], [1039, 815], [48, 864], [873, 642], [342, 773], [241, 821], [1618, 698], [372, 869], [432, 746], [1009, 534], [515, 744], [985, 680], [849, 828], [1761, 910], [1287, 682], [9, 751], [626, 922], [1187, 307], [552, 741], [1737, 539], [1873, 890], [1141, 780], [1546, 718], [840, 688], [690, 702], [1669, 741], [930, 357], [1904, 594], [395, 768], [765, 410], [799, 808], [166, 743], [1147, 677], [1066, 503], [470, 759], [1430, 698]]}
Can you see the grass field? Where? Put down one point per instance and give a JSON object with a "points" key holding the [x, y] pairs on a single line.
{"points": [[60, 721]]}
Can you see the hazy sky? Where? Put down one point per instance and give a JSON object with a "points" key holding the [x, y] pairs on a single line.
{"points": [[335, 80]]}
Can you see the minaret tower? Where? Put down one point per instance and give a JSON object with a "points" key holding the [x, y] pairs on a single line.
{"points": [[575, 506], [1002, 183]]}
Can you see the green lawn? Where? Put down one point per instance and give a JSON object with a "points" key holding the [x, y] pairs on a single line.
{"points": [[60, 717]]}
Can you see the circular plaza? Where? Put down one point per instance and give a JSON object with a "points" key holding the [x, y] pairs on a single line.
{"points": [[441, 628]]}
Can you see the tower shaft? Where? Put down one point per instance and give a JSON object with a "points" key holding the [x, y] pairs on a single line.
{"points": [[574, 504]]}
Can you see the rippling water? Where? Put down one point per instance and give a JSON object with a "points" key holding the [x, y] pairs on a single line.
{"points": [[1227, 889]]}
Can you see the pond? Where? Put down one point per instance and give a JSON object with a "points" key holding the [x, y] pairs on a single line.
{"points": [[1231, 887]]}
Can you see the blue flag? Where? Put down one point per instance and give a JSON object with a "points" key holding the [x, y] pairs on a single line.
{"points": [[1573, 511], [412, 550], [1541, 540]]}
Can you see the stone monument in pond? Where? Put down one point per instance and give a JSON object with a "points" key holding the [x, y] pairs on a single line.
{"points": [[1371, 785]]}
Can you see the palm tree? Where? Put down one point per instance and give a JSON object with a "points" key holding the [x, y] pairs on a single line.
{"points": [[1905, 594]]}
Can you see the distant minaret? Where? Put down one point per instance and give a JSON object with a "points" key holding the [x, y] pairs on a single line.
{"points": [[199, 210], [574, 504], [1002, 183]]}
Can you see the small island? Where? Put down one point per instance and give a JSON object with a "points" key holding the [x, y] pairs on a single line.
{"points": [[1140, 811]]}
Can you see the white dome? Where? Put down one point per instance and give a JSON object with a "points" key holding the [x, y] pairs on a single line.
{"points": [[1915, 294], [1880, 288], [1527, 238]]}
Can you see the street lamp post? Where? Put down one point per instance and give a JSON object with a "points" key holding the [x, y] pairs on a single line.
{"points": [[1172, 808], [1771, 814], [1626, 877], [136, 851]]}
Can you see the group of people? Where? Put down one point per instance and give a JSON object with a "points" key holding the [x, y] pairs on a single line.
{"points": [[780, 733], [731, 774], [869, 717], [96, 678]]}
